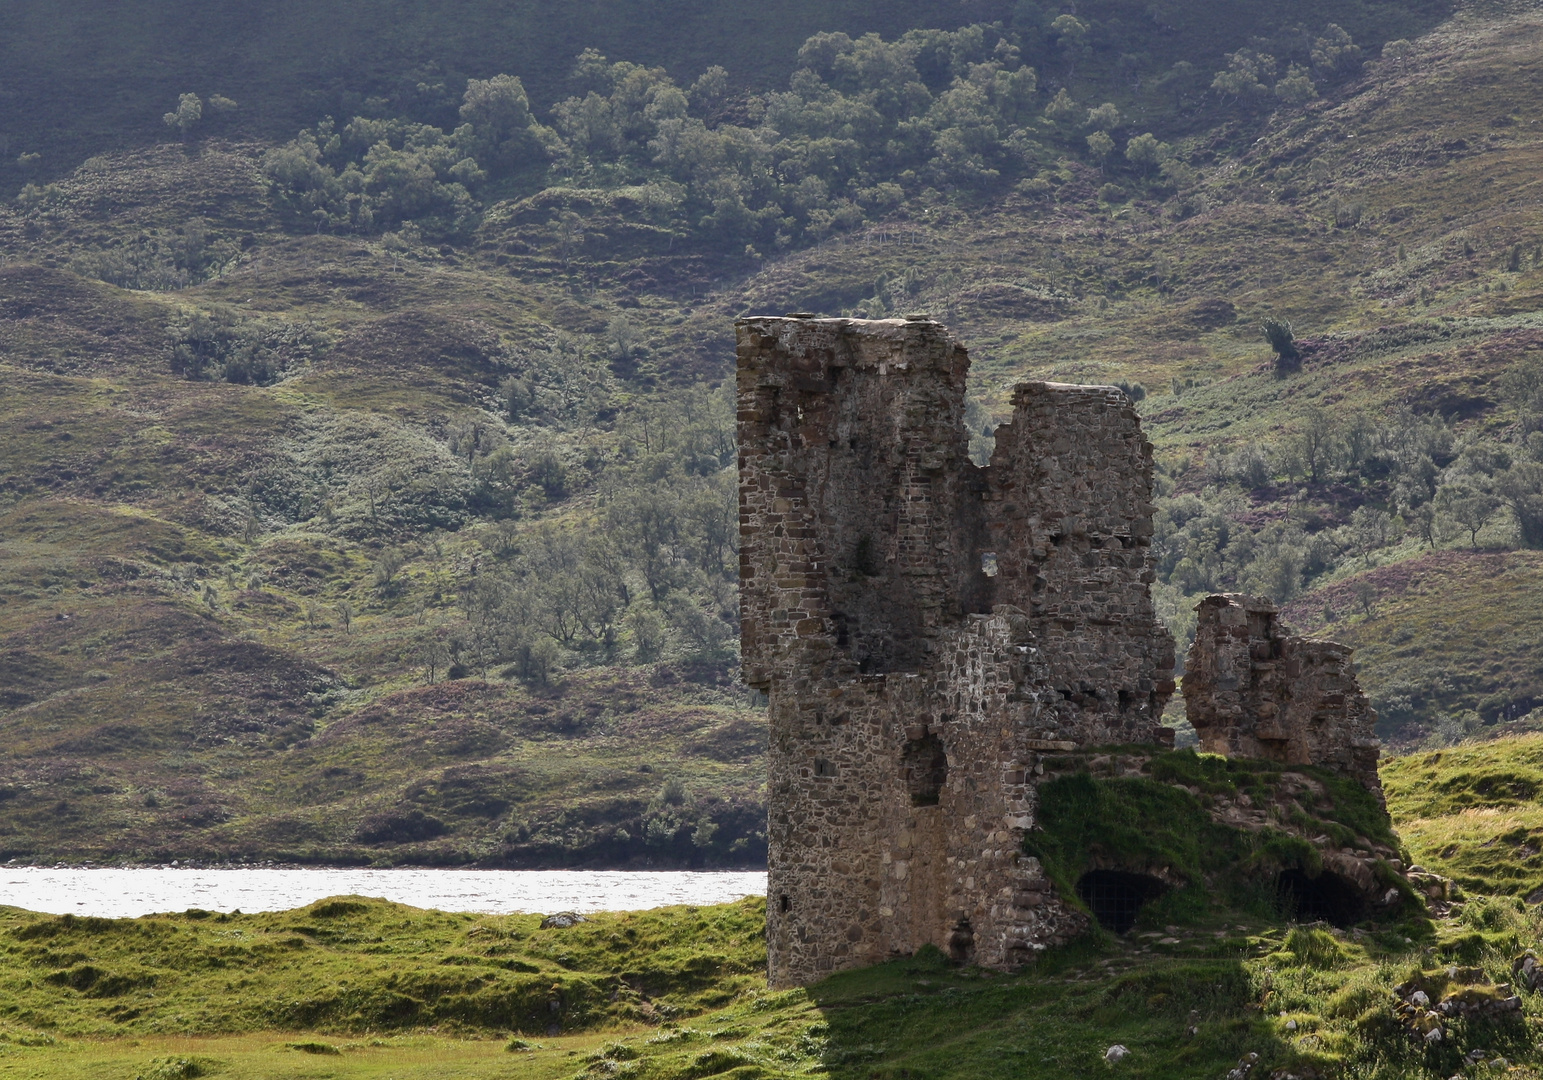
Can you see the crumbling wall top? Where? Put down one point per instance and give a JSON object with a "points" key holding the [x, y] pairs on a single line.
{"points": [[1252, 688]]}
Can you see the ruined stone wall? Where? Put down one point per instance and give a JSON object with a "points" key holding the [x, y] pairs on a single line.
{"points": [[1070, 516], [910, 688], [1254, 689]]}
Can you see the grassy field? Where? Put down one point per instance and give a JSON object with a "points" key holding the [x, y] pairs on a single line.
{"points": [[355, 987], [1472, 812]]}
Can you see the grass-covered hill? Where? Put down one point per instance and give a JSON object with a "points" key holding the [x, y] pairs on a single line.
{"points": [[367, 495]]}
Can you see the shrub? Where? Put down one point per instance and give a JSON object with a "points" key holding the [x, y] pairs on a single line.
{"points": [[1282, 339]]}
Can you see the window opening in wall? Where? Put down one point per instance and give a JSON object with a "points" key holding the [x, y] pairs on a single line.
{"points": [[1115, 896], [961, 941], [784, 903], [988, 563], [823, 767], [926, 770], [865, 558], [1326, 898]]}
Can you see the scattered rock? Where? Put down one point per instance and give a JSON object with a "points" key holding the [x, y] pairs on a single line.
{"points": [[1464, 994], [1116, 1054], [1244, 1067], [562, 921], [1527, 971]]}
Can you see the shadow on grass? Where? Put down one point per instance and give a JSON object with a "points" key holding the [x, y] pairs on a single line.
{"points": [[923, 1017]]}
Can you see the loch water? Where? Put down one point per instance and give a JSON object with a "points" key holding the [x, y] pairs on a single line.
{"points": [[113, 892]]}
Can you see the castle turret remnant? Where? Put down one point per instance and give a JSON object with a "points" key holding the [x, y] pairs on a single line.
{"points": [[924, 628], [927, 630]]}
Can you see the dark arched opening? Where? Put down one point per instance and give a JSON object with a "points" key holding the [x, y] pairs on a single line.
{"points": [[1326, 898], [926, 770], [1115, 896]]}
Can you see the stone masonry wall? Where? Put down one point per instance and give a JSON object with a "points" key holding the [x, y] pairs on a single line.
{"points": [[1254, 689], [896, 605], [1070, 516]]}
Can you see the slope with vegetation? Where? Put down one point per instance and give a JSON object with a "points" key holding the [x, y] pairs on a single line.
{"points": [[368, 495]]}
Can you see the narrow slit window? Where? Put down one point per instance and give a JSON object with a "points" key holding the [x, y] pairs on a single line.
{"points": [[926, 770]]}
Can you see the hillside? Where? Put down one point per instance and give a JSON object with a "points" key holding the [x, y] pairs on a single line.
{"points": [[360, 504], [89, 78]]}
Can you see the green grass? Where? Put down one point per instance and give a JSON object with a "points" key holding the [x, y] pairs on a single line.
{"points": [[354, 965], [355, 987], [1471, 812], [358, 988]]}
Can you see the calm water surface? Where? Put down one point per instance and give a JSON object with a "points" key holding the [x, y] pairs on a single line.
{"points": [[124, 893]]}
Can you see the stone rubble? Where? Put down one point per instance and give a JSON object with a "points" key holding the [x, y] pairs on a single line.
{"points": [[1460, 993], [1254, 689]]}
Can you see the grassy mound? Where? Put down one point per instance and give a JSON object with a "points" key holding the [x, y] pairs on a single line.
{"points": [[1471, 812], [1218, 831], [370, 989], [352, 965]]}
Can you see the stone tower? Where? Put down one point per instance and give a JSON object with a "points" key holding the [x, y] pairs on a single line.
{"points": [[924, 628]]}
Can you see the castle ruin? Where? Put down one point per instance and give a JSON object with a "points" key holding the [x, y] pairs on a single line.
{"points": [[1253, 689], [927, 630]]}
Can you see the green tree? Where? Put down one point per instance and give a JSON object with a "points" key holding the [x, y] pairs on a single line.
{"points": [[710, 90], [504, 134], [648, 633], [1318, 444], [1146, 152], [1335, 52], [1246, 76], [1071, 36], [1063, 110], [1296, 86], [1469, 507], [188, 112], [1100, 145], [1400, 51], [1521, 490], [1105, 118], [1282, 339]]}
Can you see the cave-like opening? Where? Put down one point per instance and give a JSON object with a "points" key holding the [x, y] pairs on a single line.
{"points": [[1326, 898], [1115, 896]]}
